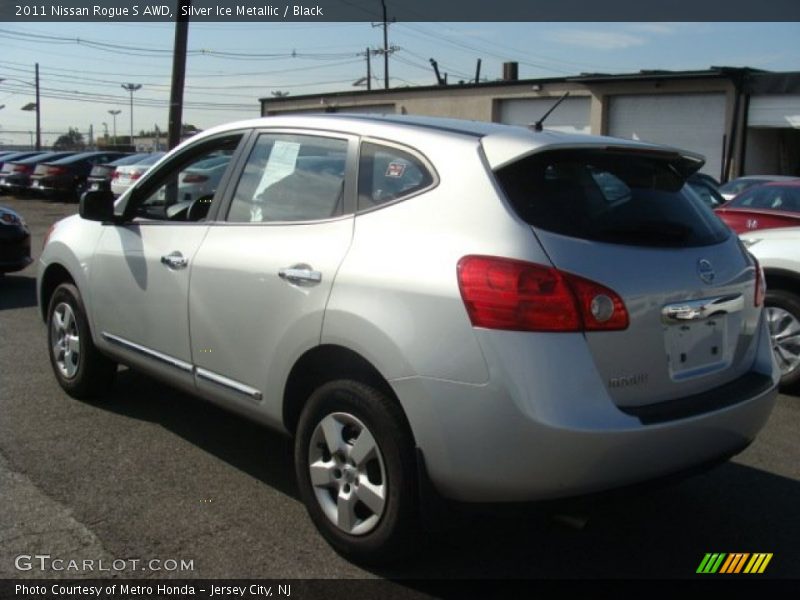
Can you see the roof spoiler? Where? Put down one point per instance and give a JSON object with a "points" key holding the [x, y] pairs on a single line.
{"points": [[685, 163]]}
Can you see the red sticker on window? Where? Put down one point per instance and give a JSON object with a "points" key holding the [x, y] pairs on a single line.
{"points": [[395, 169]]}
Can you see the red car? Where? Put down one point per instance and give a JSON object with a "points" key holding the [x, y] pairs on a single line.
{"points": [[763, 207]]}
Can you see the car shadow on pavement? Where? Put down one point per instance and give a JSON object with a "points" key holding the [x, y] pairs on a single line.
{"points": [[17, 291], [234, 439], [660, 532]]}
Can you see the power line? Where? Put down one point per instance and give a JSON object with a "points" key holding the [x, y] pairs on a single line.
{"points": [[167, 52]]}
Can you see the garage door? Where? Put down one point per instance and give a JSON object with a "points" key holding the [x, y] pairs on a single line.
{"points": [[694, 122], [780, 110], [571, 116]]}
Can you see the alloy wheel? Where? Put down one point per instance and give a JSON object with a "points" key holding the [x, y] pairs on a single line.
{"points": [[347, 472], [66, 340]]}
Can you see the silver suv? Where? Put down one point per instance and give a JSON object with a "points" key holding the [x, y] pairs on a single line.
{"points": [[488, 312]]}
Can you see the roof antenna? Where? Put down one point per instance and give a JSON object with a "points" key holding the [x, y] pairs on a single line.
{"points": [[538, 125]]}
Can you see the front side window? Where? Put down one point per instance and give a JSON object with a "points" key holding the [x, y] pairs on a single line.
{"points": [[386, 173], [291, 178], [186, 189]]}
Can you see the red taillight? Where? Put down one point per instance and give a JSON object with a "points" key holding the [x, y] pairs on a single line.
{"points": [[502, 293], [20, 168], [134, 175], [194, 178], [761, 286], [56, 170], [115, 175]]}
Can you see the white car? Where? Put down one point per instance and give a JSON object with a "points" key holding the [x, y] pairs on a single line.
{"points": [[126, 175], [778, 251], [202, 179]]}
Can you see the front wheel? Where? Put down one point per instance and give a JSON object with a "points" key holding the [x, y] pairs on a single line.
{"points": [[783, 319], [78, 366], [355, 469]]}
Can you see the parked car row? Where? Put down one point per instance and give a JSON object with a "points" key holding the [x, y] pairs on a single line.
{"points": [[64, 175]]}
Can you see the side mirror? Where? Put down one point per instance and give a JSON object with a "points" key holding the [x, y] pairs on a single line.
{"points": [[97, 206]]}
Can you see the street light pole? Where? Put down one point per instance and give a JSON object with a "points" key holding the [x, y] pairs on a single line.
{"points": [[114, 114], [131, 87]]}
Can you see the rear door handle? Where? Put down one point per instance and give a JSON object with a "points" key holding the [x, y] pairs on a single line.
{"points": [[175, 260], [300, 274]]}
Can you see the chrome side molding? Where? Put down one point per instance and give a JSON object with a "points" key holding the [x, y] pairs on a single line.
{"points": [[220, 380], [164, 358]]}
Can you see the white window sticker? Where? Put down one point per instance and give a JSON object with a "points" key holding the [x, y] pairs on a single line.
{"points": [[282, 161]]}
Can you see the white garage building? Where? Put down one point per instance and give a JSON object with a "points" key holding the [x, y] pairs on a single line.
{"points": [[744, 121]]}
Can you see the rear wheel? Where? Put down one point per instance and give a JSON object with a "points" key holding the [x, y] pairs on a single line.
{"points": [[78, 366], [355, 469], [783, 319]]}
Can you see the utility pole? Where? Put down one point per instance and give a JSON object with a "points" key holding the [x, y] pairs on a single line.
{"points": [[131, 87], [385, 47], [478, 72], [38, 113], [178, 75], [369, 70]]}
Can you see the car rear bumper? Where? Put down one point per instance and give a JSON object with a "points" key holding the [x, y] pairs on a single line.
{"points": [[498, 442], [15, 254], [49, 186], [14, 184]]}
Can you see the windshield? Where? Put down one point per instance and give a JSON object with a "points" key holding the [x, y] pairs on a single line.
{"points": [[771, 197]]}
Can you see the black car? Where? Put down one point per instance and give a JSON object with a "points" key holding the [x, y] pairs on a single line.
{"points": [[100, 177], [15, 176], [15, 242], [67, 177]]}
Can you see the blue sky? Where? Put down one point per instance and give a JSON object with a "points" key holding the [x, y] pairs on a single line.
{"points": [[234, 64]]}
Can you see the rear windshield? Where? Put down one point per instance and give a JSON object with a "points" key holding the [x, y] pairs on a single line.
{"points": [[620, 198]]}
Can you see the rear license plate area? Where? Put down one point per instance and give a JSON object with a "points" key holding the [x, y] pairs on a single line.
{"points": [[695, 348]]}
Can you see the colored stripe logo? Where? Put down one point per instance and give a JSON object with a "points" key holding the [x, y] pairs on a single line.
{"points": [[734, 563]]}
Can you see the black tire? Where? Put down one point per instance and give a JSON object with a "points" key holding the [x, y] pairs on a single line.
{"points": [[90, 373], [383, 538], [789, 302]]}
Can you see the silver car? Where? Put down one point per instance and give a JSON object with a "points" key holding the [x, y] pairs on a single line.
{"points": [[431, 307]]}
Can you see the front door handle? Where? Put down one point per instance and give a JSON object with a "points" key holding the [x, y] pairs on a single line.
{"points": [[175, 260], [300, 274]]}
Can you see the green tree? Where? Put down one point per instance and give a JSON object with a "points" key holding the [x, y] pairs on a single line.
{"points": [[72, 140]]}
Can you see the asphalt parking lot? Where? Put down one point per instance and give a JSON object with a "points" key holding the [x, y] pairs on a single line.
{"points": [[151, 473]]}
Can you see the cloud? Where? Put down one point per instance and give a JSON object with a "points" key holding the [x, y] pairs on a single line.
{"points": [[598, 40]]}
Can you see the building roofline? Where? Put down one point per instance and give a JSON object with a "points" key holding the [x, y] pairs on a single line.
{"points": [[713, 72]]}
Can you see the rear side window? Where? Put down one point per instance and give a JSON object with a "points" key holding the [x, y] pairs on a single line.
{"points": [[386, 173], [612, 197]]}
